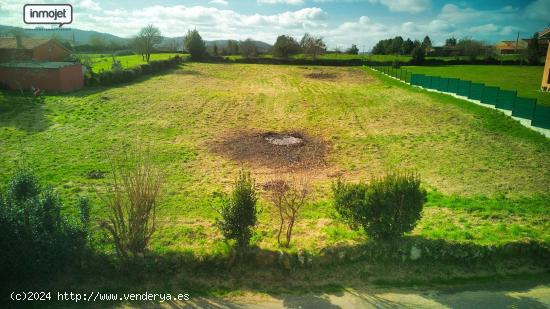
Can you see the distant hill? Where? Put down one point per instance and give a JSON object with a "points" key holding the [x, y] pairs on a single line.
{"points": [[262, 46], [64, 34], [82, 37]]}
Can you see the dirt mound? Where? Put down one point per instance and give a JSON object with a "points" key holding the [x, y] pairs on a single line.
{"points": [[321, 75], [285, 150]]}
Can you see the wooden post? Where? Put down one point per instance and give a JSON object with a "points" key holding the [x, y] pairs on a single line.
{"points": [[545, 84]]}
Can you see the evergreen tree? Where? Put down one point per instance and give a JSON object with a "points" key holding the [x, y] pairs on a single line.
{"points": [[194, 44]]}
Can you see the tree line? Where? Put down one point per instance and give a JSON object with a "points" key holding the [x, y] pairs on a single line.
{"points": [[466, 46], [149, 39]]}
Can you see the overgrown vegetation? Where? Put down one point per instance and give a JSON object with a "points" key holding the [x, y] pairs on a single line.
{"points": [[385, 208]]}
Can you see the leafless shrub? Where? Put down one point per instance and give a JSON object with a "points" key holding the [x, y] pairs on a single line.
{"points": [[288, 197], [132, 203]]}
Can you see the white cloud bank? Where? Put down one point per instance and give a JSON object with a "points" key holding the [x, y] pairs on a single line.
{"points": [[220, 2], [411, 6], [216, 22]]}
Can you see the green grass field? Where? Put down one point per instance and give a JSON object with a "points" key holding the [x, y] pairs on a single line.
{"points": [[104, 62], [487, 175], [525, 79]]}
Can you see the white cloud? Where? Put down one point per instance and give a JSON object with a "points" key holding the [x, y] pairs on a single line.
{"points": [[411, 6], [292, 2], [508, 30], [213, 23], [220, 2], [538, 10], [456, 14], [486, 29], [88, 4]]}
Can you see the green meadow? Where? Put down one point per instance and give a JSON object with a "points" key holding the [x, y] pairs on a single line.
{"points": [[487, 176], [104, 62]]}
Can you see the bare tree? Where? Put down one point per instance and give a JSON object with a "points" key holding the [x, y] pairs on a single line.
{"points": [[249, 48], [138, 46], [288, 198], [147, 38], [312, 46]]}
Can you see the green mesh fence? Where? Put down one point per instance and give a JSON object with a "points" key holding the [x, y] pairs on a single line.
{"points": [[464, 88], [506, 99], [490, 95], [524, 107], [443, 84], [476, 91], [403, 74], [428, 81], [541, 117], [453, 85], [503, 99], [417, 79], [435, 82]]}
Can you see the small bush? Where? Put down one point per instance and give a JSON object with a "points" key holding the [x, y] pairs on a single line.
{"points": [[132, 204], [386, 208], [239, 212], [34, 235]]}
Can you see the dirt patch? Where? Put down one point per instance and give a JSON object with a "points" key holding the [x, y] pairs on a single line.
{"points": [[322, 75], [278, 150]]}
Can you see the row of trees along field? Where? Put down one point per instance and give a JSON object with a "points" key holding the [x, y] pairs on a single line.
{"points": [[150, 40], [285, 46], [464, 47]]}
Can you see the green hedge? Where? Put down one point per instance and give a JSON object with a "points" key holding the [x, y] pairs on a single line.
{"points": [[107, 78]]}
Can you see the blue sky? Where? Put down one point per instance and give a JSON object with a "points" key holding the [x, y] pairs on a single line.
{"points": [[340, 22]]}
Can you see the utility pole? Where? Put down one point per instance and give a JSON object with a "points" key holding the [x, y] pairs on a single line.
{"points": [[517, 42]]}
